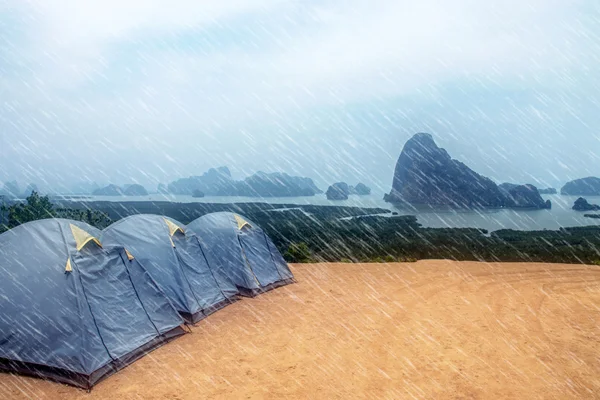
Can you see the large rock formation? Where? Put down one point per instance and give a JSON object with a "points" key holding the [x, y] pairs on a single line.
{"points": [[127, 190], [362, 190], [582, 187], [134, 190], [548, 191], [275, 184], [110, 190], [426, 174], [338, 191], [218, 182], [582, 204], [506, 187], [525, 196], [198, 194], [212, 182]]}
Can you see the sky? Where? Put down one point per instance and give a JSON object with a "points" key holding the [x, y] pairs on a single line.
{"points": [[148, 91]]}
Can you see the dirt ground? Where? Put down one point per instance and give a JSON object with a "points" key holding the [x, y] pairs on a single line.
{"points": [[433, 329]]}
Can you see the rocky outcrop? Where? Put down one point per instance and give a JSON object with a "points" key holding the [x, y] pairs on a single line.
{"points": [[198, 194], [582, 204], [595, 216], [110, 190], [548, 191], [362, 190], [426, 174], [218, 182], [338, 191], [506, 187], [275, 184], [525, 196], [134, 190], [212, 182], [582, 187], [127, 190]]}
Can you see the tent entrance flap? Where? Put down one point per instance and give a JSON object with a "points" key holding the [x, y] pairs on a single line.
{"points": [[259, 257]]}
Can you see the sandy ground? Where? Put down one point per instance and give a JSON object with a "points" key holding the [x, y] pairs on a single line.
{"points": [[433, 329]]}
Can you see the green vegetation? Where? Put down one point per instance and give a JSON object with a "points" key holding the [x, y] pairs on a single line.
{"points": [[298, 253], [382, 239], [38, 207], [345, 234]]}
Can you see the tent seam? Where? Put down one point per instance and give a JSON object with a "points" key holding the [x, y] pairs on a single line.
{"points": [[81, 325], [210, 269], [94, 318], [136, 292], [177, 259]]}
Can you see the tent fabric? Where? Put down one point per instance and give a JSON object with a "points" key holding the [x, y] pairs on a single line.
{"points": [[243, 252], [175, 261], [79, 324]]}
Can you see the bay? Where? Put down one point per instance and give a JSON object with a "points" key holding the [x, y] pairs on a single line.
{"points": [[560, 216]]}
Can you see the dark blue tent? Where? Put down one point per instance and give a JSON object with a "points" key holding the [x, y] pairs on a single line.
{"points": [[72, 311], [243, 251], [175, 261]]}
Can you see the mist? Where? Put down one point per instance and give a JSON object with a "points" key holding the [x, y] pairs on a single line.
{"points": [[122, 92]]}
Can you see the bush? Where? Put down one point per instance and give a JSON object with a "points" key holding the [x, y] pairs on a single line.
{"points": [[298, 253], [390, 258]]}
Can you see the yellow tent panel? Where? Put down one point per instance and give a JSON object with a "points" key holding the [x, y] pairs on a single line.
{"points": [[241, 222], [82, 237], [173, 228]]}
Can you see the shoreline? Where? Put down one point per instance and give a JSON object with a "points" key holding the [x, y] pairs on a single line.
{"points": [[121, 209]]}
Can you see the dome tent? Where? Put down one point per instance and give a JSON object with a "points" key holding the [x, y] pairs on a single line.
{"points": [[176, 262], [243, 251], [72, 311]]}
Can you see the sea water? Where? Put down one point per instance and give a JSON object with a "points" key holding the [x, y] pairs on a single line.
{"points": [[561, 214]]}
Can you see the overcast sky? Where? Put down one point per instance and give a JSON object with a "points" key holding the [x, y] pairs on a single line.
{"points": [[148, 91]]}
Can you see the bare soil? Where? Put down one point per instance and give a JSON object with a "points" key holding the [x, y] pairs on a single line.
{"points": [[432, 329]]}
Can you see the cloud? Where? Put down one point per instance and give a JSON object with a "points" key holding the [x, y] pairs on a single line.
{"points": [[339, 48], [150, 75]]}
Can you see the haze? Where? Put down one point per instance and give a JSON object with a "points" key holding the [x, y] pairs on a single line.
{"points": [[150, 91]]}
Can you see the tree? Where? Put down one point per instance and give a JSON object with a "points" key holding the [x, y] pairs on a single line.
{"points": [[39, 207], [36, 207]]}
